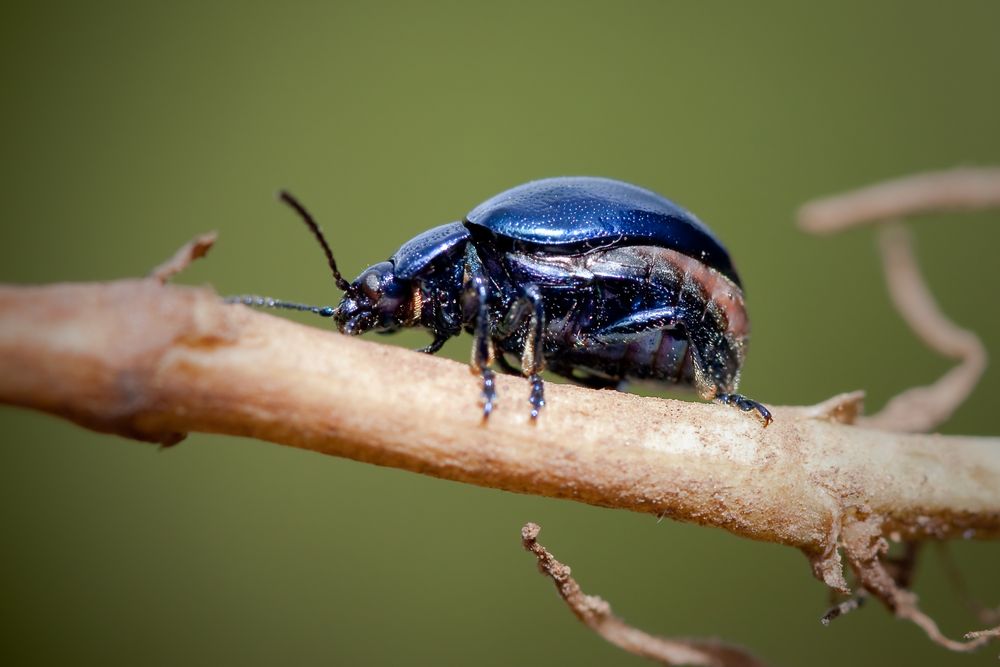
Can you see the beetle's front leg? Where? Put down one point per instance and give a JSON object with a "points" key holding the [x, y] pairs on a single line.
{"points": [[482, 343]]}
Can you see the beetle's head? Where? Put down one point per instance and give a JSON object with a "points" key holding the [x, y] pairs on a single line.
{"points": [[375, 301]]}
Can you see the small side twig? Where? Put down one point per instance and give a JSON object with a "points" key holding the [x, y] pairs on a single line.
{"points": [[900, 568], [918, 409], [964, 189], [886, 580], [194, 249], [921, 409], [596, 614]]}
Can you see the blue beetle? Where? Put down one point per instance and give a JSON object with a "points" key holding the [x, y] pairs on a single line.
{"points": [[596, 280]]}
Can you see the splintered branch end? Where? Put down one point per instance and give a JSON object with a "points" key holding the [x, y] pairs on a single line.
{"points": [[194, 249]]}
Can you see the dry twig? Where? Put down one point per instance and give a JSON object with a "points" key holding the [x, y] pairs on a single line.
{"points": [[965, 189], [596, 614], [919, 409]]}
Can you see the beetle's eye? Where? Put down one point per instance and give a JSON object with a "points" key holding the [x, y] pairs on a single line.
{"points": [[370, 287]]}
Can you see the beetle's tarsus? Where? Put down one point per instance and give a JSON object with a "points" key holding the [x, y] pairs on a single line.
{"points": [[746, 405], [537, 396], [489, 392], [434, 346]]}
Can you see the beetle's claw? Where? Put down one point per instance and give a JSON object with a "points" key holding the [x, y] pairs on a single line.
{"points": [[746, 405], [765, 414], [537, 396], [489, 392]]}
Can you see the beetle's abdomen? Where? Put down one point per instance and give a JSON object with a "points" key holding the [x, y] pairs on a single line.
{"points": [[640, 312], [660, 355], [705, 345]]}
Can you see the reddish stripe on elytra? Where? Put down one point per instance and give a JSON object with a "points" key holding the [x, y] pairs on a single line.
{"points": [[721, 293]]}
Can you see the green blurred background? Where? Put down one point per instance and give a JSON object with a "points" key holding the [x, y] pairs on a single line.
{"points": [[130, 127]]}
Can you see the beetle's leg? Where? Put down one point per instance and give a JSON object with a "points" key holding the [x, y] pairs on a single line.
{"points": [[482, 342], [435, 344], [746, 405], [533, 357], [712, 378], [528, 305], [629, 328]]}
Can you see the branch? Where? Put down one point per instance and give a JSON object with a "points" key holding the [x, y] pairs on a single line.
{"points": [[596, 614], [154, 362]]}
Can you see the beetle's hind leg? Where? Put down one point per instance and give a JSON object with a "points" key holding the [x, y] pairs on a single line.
{"points": [[746, 405]]}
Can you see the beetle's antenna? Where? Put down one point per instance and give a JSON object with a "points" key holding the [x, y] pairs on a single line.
{"points": [[267, 302], [287, 197]]}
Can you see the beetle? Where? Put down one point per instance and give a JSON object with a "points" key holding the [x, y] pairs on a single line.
{"points": [[597, 280]]}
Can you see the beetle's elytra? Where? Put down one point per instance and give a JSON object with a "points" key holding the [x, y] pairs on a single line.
{"points": [[596, 280]]}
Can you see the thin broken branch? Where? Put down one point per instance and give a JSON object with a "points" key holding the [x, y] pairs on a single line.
{"points": [[596, 614]]}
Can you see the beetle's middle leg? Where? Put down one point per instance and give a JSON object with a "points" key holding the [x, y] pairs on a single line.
{"points": [[528, 306]]}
